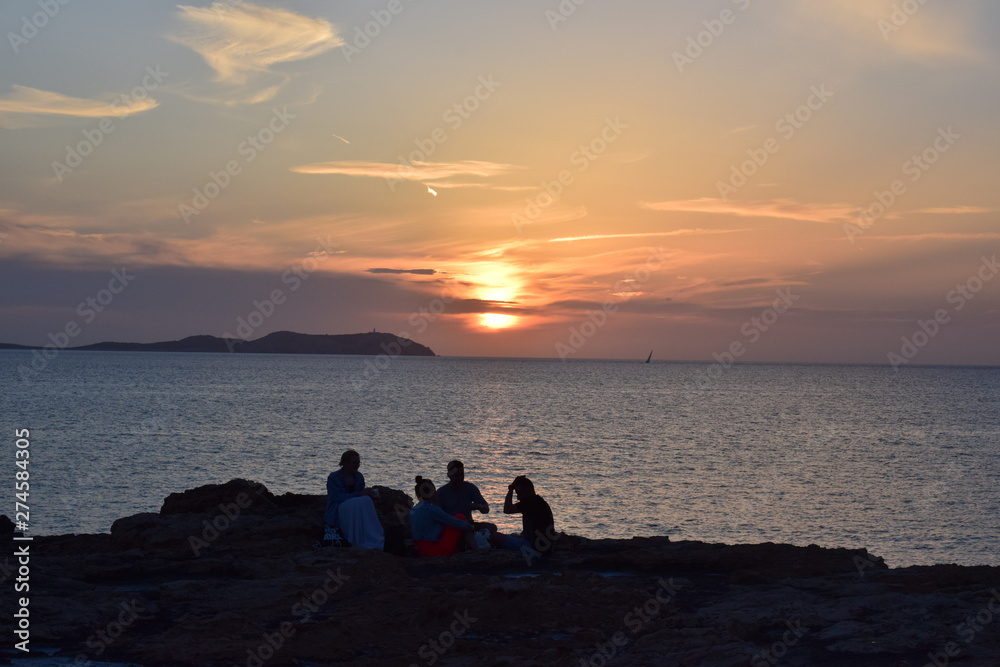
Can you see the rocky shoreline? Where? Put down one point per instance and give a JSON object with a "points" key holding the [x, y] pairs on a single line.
{"points": [[228, 575]]}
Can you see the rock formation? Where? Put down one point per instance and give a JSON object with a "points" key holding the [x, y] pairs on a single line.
{"points": [[227, 575]]}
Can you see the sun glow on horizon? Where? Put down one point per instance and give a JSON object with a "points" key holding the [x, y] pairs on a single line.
{"points": [[498, 320], [497, 280]]}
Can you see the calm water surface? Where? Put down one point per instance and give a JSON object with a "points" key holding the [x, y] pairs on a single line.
{"points": [[905, 464]]}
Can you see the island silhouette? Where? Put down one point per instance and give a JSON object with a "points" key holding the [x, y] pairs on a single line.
{"points": [[279, 342]]}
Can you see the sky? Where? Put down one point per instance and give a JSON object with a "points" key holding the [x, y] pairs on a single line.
{"points": [[733, 180]]}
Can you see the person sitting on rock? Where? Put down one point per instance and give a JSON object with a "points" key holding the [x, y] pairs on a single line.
{"points": [[435, 532], [538, 534], [350, 509], [461, 497]]}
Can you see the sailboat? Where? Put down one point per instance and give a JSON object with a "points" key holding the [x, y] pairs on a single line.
{"points": [[649, 357]]}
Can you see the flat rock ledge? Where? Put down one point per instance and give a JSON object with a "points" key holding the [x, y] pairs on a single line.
{"points": [[228, 575]]}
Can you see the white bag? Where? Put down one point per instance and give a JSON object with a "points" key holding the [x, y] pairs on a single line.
{"points": [[483, 538]]}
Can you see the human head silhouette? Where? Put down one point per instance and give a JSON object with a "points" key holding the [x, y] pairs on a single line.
{"points": [[350, 460], [424, 488]]}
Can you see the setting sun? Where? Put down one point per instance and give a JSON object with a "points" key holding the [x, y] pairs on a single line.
{"points": [[448, 202], [497, 321]]}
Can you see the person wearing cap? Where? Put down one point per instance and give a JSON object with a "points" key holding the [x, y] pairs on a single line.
{"points": [[461, 497]]}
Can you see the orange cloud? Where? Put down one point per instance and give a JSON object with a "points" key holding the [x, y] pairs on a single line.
{"points": [[17, 109], [928, 33], [676, 232], [502, 188], [956, 210], [245, 41], [774, 208], [416, 171], [939, 236]]}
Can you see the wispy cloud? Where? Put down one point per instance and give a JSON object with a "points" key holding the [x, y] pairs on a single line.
{"points": [[423, 172], [956, 210], [676, 232], [90, 241], [773, 208], [938, 236], [502, 188], [739, 130], [931, 32], [242, 43], [27, 106], [416, 272]]}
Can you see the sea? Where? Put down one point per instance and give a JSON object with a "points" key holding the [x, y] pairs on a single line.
{"points": [[905, 464]]}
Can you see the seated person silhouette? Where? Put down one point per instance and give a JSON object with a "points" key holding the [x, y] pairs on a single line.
{"points": [[350, 511], [461, 497], [538, 535], [435, 532]]}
